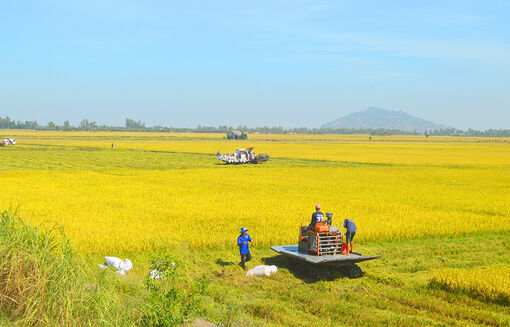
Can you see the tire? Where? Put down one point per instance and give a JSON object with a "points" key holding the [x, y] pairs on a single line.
{"points": [[354, 271]]}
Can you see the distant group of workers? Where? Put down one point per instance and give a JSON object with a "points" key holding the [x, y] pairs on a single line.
{"points": [[229, 157], [238, 156], [244, 239]]}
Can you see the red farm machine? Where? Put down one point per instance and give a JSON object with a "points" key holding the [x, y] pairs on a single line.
{"points": [[323, 245]]}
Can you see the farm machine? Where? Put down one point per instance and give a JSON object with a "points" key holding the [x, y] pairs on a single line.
{"points": [[324, 246], [8, 141], [243, 156]]}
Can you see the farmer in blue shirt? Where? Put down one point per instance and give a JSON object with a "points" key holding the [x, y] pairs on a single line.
{"points": [[244, 247], [351, 231], [317, 217]]}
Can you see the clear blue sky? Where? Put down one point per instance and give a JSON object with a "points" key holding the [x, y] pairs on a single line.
{"points": [[276, 63]]}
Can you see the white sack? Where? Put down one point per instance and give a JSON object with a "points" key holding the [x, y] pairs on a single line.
{"points": [[127, 265], [262, 271], [273, 269], [102, 266], [117, 263], [113, 262], [155, 274]]}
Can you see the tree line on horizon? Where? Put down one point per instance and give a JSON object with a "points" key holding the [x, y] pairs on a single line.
{"points": [[138, 126]]}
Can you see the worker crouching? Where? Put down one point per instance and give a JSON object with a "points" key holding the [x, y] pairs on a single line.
{"points": [[244, 247]]}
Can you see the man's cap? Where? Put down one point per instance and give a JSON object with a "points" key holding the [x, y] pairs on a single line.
{"points": [[243, 229], [317, 207]]}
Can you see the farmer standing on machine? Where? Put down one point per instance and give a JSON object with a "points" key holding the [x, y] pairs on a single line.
{"points": [[351, 231], [244, 247]]}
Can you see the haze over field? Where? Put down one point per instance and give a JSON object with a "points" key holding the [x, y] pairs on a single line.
{"points": [[274, 63]]}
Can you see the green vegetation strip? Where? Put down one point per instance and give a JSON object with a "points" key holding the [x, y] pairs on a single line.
{"points": [[57, 157], [43, 282]]}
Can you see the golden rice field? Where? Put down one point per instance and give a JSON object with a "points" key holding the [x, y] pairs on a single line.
{"points": [[158, 189], [485, 283], [437, 209], [405, 150]]}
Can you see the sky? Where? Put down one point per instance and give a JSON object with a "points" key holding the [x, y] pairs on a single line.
{"points": [[274, 63]]}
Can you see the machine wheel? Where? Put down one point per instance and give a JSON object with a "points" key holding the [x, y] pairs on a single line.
{"points": [[353, 271]]}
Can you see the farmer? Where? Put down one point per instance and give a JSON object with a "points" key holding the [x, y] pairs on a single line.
{"points": [[351, 231], [317, 217], [244, 247]]}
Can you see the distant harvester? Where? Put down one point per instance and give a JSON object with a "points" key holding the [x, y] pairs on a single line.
{"points": [[8, 141], [243, 156]]}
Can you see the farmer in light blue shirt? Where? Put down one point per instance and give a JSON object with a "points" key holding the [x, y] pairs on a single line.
{"points": [[244, 247], [351, 231]]}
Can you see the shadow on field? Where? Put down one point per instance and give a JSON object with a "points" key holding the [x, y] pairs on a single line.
{"points": [[306, 272], [224, 263]]}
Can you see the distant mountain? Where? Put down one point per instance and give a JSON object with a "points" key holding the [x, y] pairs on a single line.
{"points": [[375, 117]]}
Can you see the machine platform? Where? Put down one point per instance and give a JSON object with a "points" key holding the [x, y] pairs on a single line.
{"points": [[330, 260]]}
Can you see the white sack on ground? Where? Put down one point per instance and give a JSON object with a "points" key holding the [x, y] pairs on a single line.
{"points": [[155, 274], [127, 265], [113, 262], [262, 271], [117, 263]]}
